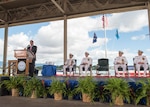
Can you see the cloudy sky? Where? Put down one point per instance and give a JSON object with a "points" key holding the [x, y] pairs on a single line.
{"points": [[48, 36]]}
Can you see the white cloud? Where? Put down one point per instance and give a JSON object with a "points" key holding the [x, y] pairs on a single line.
{"points": [[1, 49], [128, 21], [142, 37], [18, 41], [15, 42]]}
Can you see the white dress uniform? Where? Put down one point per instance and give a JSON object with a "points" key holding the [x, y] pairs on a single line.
{"points": [[137, 61], [68, 64], [87, 60], [123, 61]]}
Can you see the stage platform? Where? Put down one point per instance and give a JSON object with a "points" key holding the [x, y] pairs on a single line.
{"points": [[96, 78], [130, 74], [102, 76], [101, 80]]}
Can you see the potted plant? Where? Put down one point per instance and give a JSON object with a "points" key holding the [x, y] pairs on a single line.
{"points": [[70, 89], [143, 91], [118, 89], [57, 88], [86, 86], [101, 94], [70, 93], [45, 89], [14, 84], [34, 88]]}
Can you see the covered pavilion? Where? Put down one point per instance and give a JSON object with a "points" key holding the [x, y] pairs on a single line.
{"points": [[20, 12]]}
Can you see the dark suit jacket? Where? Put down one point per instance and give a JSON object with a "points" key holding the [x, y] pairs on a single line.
{"points": [[34, 49]]}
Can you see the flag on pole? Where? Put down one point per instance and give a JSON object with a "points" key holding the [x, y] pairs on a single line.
{"points": [[105, 22], [94, 38], [117, 34]]}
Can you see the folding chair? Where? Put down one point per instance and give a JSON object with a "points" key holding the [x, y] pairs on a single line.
{"points": [[141, 68], [120, 69], [89, 69], [74, 67], [102, 66]]}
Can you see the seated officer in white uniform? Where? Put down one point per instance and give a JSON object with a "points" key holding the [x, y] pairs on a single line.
{"points": [[120, 61], [139, 61], [69, 64], [85, 63]]}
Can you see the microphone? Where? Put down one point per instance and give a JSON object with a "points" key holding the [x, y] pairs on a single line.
{"points": [[28, 47]]}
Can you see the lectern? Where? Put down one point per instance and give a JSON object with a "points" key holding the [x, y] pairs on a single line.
{"points": [[21, 65]]}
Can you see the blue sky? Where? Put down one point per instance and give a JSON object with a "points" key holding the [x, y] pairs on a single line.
{"points": [[48, 36], [129, 40]]}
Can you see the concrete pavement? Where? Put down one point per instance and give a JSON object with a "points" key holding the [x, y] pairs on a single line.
{"points": [[9, 101]]}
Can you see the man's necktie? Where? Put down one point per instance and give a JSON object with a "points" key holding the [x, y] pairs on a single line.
{"points": [[30, 48]]}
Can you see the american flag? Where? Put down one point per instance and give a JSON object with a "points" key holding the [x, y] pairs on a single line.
{"points": [[105, 21]]}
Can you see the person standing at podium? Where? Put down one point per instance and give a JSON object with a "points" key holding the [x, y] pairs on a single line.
{"points": [[32, 49]]}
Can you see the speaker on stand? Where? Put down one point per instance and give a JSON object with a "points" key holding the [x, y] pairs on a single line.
{"points": [[3, 90]]}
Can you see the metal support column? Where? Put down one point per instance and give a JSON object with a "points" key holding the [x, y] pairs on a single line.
{"points": [[65, 31], [5, 48], [65, 38], [149, 17]]}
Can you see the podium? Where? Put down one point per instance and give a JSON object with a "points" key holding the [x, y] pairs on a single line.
{"points": [[21, 65]]}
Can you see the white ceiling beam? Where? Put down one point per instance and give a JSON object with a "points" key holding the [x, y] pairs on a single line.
{"points": [[34, 21], [2, 20], [6, 1], [58, 6]]}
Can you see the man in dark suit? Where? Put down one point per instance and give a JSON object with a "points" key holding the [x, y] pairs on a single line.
{"points": [[32, 49]]}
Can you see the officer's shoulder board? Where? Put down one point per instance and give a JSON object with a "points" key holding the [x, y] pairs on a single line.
{"points": [[135, 57], [116, 58], [144, 56]]}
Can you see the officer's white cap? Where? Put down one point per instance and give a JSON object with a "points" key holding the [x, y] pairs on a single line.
{"points": [[121, 52], [86, 53], [71, 54], [140, 51]]}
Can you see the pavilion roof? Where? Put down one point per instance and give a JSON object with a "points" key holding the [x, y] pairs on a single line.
{"points": [[19, 12]]}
